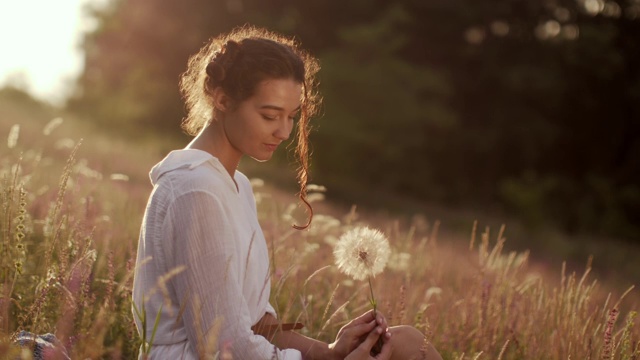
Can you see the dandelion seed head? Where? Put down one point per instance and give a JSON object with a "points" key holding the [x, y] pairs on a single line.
{"points": [[362, 252]]}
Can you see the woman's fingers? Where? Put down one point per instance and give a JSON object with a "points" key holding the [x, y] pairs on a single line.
{"points": [[359, 330], [369, 316], [363, 319], [380, 319], [385, 353], [382, 322], [372, 339]]}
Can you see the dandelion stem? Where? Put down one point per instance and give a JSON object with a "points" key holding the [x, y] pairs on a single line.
{"points": [[373, 299]]}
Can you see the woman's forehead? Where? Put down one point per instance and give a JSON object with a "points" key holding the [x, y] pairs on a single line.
{"points": [[285, 94]]}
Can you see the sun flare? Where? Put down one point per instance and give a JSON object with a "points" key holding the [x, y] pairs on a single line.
{"points": [[39, 44]]}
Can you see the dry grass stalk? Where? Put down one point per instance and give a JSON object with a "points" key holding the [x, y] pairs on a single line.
{"points": [[480, 300]]}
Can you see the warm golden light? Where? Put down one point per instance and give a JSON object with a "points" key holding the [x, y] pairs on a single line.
{"points": [[40, 41]]}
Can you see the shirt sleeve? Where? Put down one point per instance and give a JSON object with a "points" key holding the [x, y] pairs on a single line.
{"points": [[216, 314], [270, 310]]}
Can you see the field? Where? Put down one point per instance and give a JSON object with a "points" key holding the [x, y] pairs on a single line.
{"points": [[71, 211]]}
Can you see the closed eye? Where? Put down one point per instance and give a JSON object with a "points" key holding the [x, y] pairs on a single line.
{"points": [[295, 116], [269, 117]]}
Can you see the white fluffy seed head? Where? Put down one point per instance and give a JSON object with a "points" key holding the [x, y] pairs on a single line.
{"points": [[362, 252]]}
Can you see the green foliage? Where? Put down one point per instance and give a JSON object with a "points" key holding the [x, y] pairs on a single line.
{"points": [[439, 101], [593, 204], [379, 111]]}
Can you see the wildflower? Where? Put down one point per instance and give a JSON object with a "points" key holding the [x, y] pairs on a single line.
{"points": [[362, 253]]}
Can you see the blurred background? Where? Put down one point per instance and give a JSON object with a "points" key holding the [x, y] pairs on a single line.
{"points": [[523, 109]]}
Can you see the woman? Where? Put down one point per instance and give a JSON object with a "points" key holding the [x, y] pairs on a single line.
{"points": [[203, 265]]}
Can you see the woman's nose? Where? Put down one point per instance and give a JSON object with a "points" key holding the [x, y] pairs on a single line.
{"points": [[284, 130]]}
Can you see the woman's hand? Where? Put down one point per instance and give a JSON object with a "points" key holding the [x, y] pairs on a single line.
{"points": [[357, 331], [363, 351]]}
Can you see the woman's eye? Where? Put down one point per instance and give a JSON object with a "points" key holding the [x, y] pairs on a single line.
{"points": [[269, 117]]}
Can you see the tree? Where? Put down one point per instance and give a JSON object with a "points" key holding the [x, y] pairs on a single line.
{"points": [[528, 105]]}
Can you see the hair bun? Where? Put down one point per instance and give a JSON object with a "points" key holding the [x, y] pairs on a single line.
{"points": [[222, 61], [230, 49], [216, 72]]}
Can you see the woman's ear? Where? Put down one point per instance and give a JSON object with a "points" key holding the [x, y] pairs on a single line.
{"points": [[221, 101]]}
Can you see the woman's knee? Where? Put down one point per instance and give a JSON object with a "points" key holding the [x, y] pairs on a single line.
{"points": [[410, 344]]}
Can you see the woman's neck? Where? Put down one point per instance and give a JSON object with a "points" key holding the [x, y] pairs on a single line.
{"points": [[214, 141]]}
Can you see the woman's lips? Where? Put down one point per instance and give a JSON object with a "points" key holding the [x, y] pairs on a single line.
{"points": [[271, 147]]}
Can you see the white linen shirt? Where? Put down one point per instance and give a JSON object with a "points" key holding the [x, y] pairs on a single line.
{"points": [[202, 262]]}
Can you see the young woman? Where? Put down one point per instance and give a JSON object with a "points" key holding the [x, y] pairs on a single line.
{"points": [[203, 265]]}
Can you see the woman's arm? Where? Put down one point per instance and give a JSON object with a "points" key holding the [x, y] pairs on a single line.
{"points": [[268, 327], [349, 337]]}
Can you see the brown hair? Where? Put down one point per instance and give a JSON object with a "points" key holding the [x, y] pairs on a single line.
{"points": [[237, 62]]}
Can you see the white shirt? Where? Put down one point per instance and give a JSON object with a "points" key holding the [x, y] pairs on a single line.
{"points": [[203, 262]]}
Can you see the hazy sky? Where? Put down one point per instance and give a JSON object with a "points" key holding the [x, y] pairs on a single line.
{"points": [[39, 39]]}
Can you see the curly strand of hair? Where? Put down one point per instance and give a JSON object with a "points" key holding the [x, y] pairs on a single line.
{"points": [[302, 150], [302, 195], [312, 102]]}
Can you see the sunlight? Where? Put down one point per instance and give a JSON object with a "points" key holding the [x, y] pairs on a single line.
{"points": [[40, 44]]}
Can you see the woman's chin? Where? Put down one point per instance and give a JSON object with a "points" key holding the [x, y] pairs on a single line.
{"points": [[262, 158]]}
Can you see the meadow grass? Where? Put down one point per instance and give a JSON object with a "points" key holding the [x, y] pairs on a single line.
{"points": [[70, 219]]}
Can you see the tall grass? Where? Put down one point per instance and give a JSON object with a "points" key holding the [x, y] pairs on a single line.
{"points": [[67, 253], [68, 244]]}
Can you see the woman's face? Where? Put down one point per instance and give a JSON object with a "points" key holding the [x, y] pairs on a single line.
{"points": [[257, 125]]}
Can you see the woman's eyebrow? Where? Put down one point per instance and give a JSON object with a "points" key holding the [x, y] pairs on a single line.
{"points": [[278, 108]]}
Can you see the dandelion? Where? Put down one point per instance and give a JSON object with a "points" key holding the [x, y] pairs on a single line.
{"points": [[362, 253]]}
